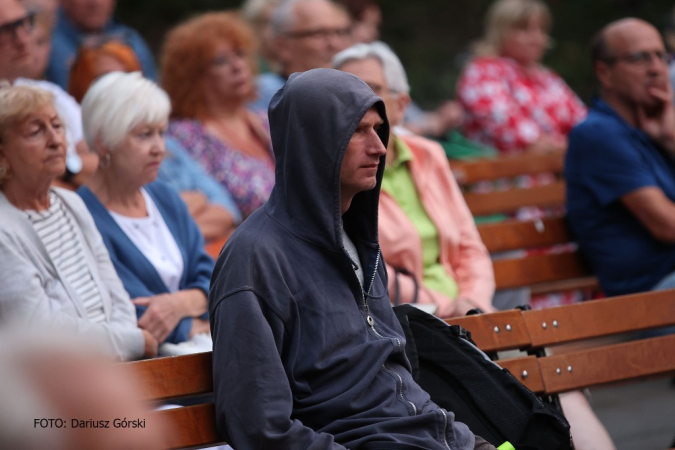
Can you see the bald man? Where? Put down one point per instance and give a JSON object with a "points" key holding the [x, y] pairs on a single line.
{"points": [[620, 163]]}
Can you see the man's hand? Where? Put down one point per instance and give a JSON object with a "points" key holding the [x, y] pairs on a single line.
{"points": [[659, 123], [548, 144]]}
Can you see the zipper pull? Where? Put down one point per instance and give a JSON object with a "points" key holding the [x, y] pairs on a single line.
{"points": [[370, 321]]}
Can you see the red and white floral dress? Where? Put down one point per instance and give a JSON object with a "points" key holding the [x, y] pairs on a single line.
{"points": [[509, 107]]}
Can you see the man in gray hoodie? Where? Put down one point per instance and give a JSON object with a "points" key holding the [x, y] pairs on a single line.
{"points": [[308, 353]]}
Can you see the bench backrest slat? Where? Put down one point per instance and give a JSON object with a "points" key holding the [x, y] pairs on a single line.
{"points": [[467, 172], [527, 371], [607, 364], [504, 330], [191, 426], [175, 377], [513, 273], [600, 318], [509, 201], [515, 235]]}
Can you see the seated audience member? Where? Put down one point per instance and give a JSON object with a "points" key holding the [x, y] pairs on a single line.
{"points": [[41, 38], [210, 205], [54, 267], [307, 34], [619, 169], [94, 60], [366, 18], [318, 362], [20, 64], [429, 241], [207, 69], [155, 245], [258, 14], [511, 102], [81, 20]]}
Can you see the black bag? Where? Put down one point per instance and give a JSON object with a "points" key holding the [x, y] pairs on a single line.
{"points": [[488, 399]]}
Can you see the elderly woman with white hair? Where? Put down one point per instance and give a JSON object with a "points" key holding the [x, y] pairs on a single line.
{"points": [[429, 241], [155, 245], [54, 267], [512, 102]]}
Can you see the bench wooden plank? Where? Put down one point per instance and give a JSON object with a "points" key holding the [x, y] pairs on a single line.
{"points": [[516, 235], [513, 273], [527, 371], [467, 172], [174, 377], [590, 284], [599, 318], [607, 364], [504, 330], [191, 426], [509, 201]]}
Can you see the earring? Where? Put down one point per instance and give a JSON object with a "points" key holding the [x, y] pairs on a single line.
{"points": [[104, 162]]}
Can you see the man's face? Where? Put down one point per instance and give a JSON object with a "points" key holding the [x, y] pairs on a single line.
{"points": [[318, 32], [370, 70], [89, 15], [637, 65], [15, 39], [362, 158]]}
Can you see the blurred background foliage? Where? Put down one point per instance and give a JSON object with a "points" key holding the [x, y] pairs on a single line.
{"points": [[433, 37]]}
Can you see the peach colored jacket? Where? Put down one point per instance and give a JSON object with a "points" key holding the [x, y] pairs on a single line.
{"points": [[462, 252]]}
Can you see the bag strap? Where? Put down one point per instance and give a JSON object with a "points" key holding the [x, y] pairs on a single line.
{"points": [[397, 297]]}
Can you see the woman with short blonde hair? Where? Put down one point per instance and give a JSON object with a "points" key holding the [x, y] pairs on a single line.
{"points": [[511, 101], [54, 268]]}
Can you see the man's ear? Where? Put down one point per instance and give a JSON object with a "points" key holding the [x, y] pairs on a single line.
{"points": [[403, 101], [603, 72], [280, 45]]}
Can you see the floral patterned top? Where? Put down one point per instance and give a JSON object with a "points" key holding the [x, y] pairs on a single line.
{"points": [[247, 178], [510, 109]]}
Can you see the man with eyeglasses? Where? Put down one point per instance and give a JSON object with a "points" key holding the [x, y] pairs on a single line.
{"points": [[307, 34], [80, 21], [620, 166], [17, 52], [15, 27]]}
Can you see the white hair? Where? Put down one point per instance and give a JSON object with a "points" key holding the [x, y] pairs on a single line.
{"points": [[394, 72], [284, 15], [116, 103]]}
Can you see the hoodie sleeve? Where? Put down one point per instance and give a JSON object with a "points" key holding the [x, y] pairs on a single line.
{"points": [[253, 398]]}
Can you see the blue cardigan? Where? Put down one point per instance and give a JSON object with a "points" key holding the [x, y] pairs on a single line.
{"points": [[138, 275]]}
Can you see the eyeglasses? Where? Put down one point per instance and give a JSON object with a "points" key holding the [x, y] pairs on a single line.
{"points": [[645, 58], [378, 89], [10, 31], [321, 33], [227, 59]]}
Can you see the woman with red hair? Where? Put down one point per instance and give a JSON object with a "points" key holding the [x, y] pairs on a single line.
{"points": [[93, 61], [207, 68]]}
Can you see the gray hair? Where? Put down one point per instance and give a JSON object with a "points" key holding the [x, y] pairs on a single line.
{"points": [[394, 72], [283, 17], [253, 10], [116, 103]]}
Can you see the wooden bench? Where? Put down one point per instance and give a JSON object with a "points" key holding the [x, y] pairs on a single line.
{"points": [[542, 273], [194, 426], [509, 166]]}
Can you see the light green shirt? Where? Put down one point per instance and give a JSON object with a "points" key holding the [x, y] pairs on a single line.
{"points": [[398, 183]]}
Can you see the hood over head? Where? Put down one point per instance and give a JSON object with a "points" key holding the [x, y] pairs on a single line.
{"points": [[312, 119]]}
